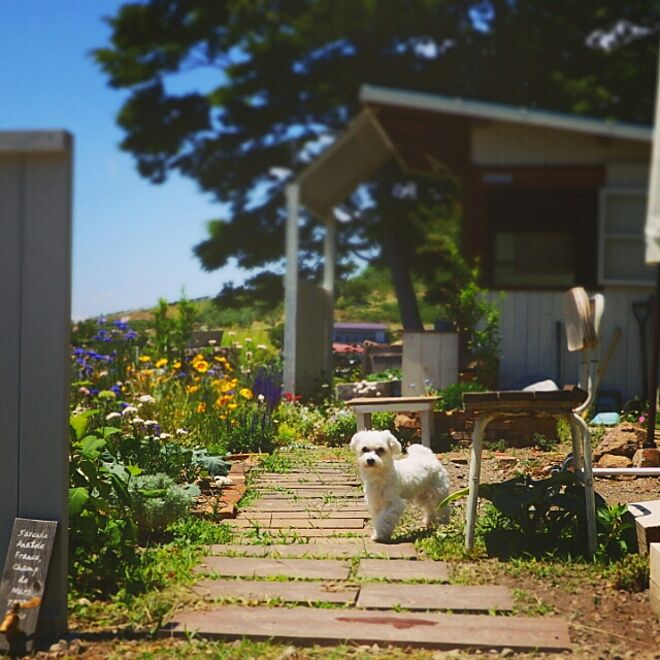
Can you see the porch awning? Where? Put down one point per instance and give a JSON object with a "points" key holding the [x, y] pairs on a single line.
{"points": [[353, 158]]}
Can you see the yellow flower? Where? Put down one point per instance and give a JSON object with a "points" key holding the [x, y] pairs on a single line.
{"points": [[201, 408], [198, 358], [232, 406], [223, 400], [246, 393], [191, 389], [144, 358], [202, 366], [161, 363], [225, 386], [176, 365]]}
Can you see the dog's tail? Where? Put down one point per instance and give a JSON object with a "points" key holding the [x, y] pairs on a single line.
{"points": [[419, 450]]}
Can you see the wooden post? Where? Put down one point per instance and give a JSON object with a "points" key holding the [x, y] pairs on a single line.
{"points": [[35, 285], [330, 254], [291, 287]]}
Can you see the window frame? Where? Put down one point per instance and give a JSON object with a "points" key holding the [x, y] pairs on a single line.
{"points": [[603, 236]]}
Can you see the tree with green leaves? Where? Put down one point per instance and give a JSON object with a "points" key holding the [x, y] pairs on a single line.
{"points": [[280, 80]]}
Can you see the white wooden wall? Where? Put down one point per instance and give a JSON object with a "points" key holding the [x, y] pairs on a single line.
{"points": [[527, 324], [35, 284]]}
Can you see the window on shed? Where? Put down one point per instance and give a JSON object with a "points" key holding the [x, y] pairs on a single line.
{"points": [[622, 217], [542, 238]]}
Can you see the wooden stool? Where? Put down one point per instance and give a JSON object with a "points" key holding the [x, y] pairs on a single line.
{"points": [[424, 405]]}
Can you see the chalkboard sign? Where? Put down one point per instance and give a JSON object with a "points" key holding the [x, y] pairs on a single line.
{"points": [[23, 582]]}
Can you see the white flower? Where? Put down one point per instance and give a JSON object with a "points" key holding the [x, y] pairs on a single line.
{"points": [[263, 347], [150, 422], [113, 415], [146, 398], [129, 410], [137, 420], [261, 398], [165, 436], [181, 432], [231, 333]]}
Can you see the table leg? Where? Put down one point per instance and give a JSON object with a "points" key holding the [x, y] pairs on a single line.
{"points": [[473, 479], [363, 420], [426, 419], [587, 473]]}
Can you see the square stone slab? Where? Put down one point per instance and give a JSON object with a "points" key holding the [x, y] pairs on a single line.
{"points": [[306, 625], [402, 569], [312, 493], [338, 524], [290, 592], [314, 569], [318, 505], [300, 515], [293, 533], [346, 549], [453, 597]]}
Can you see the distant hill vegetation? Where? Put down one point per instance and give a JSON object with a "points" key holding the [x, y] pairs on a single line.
{"points": [[367, 296]]}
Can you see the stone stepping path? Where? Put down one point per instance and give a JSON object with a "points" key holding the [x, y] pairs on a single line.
{"points": [[395, 570], [310, 569], [290, 592], [305, 523], [348, 549], [320, 506], [458, 598], [360, 586], [306, 625]]}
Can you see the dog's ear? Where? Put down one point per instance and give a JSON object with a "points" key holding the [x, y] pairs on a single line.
{"points": [[354, 442], [393, 443]]}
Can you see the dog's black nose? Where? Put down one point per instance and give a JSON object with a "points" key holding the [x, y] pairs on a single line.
{"points": [[370, 461]]}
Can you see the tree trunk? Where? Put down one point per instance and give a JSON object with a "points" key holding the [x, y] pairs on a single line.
{"points": [[401, 280]]}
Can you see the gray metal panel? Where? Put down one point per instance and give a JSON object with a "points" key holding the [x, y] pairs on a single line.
{"points": [[10, 256], [45, 345], [31, 142]]}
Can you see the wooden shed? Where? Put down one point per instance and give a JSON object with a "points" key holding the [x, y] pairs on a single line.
{"points": [[551, 201]]}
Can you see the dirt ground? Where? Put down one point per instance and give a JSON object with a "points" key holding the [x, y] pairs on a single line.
{"points": [[604, 623]]}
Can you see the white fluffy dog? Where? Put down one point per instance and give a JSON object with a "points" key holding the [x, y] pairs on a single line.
{"points": [[388, 483]]}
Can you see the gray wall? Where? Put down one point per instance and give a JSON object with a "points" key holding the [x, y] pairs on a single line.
{"points": [[35, 284]]}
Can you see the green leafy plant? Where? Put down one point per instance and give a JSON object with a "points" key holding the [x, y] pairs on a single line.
{"points": [[630, 573], [102, 533], [157, 502], [537, 516], [452, 395], [338, 427], [172, 332], [388, 374], [616, 532], [250, 429]]}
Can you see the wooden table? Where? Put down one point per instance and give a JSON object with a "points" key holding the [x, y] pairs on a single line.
{"points": [[424, 405]]}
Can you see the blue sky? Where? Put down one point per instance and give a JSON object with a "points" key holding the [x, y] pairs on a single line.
{"points": [[132, 240]]}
